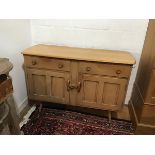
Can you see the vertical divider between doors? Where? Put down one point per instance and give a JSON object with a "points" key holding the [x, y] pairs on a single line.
{"points": [[48, 84], [74, 80]]}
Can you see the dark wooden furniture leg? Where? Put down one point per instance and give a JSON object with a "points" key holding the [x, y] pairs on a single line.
{"points": [[40, 107], [109, 116]]}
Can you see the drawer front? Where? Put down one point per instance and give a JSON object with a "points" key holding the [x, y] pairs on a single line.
{"points": [[47, 63], [105, 69]]}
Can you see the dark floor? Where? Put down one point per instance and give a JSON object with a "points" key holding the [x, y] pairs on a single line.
{"points": [[63, 122]]}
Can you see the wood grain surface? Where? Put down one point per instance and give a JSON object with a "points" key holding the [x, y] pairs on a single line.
{"points": [[97, 55]]}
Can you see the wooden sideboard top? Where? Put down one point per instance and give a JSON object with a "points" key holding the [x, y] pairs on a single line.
{"points": [[97, 55]]}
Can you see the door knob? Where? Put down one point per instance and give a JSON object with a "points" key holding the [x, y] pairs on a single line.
{"points": [[34, 62], [88, 69], [60, 65], [118, 72], [73, 86]]}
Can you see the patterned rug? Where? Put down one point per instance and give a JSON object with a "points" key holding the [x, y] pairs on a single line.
{"points": [[62, 122]]}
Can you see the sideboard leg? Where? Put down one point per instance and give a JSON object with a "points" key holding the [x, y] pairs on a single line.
{"points": [[40, 107], [109, 116]]}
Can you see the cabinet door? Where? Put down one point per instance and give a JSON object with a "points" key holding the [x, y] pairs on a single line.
{"points": [[113, 93], [57, 86], [101, 92], [47, 85]]}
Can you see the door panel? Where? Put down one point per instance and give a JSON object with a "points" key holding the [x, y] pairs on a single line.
{"points": [[113, 94], [90, 95], [48, 85], [90, 90], [101, 92], [39, 84], [36, 80], [57, 86], [110, 93]]}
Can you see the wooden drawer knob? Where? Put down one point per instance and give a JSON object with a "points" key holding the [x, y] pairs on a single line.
{"points": [[88, 69], [34, 62], [118, 72], [60, 65]]}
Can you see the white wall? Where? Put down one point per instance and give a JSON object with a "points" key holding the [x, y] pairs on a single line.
{"points": [[126, 35], [15, 35]]}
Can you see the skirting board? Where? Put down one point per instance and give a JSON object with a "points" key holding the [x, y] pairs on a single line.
{"points": [[23, 109], [140, 129], [23, 105]]}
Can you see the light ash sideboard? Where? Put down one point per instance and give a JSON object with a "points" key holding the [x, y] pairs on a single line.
{"points": [[81, 77]]}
